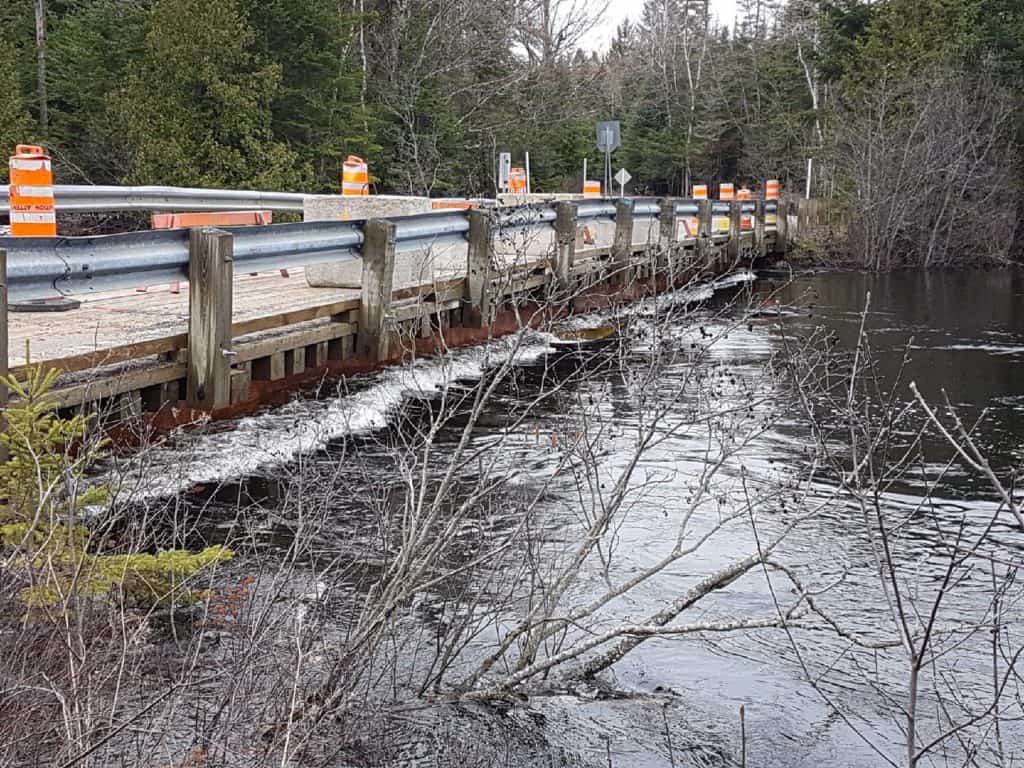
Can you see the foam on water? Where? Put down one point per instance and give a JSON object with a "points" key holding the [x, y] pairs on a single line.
{"points": [[280, 435], [304, 425]]}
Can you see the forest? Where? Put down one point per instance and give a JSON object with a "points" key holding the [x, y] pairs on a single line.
{"points": [[907, 112]]}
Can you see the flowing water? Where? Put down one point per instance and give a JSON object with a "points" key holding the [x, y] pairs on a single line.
{"points": [[677, 701]]}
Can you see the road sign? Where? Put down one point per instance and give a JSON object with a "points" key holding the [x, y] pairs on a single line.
{"points": [[608, 136], [504, 169], [622, 177]]}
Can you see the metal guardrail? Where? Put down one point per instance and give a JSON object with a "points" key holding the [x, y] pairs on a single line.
{"points": [[44, 267], [72, 198]]}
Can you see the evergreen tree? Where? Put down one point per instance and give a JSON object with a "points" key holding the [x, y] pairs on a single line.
{"points": [[16, 125], [197, 106]]}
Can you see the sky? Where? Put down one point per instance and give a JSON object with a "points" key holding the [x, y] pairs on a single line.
{"points": [[620, 10]]}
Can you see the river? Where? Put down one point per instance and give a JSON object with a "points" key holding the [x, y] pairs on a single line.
{"points": [[676, 701]]}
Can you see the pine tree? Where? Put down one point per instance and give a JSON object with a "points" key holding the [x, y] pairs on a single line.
{"points": [[16, 125], [196, 110], [45, 488]]}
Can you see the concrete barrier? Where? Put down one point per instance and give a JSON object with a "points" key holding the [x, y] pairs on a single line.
{"points": [[409, 265]]}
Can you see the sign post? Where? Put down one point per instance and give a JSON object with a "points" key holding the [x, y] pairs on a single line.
{"points": [[608, 140]]}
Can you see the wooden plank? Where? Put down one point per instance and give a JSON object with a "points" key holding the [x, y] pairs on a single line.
{"points": [[128, 381], [377, 282], [565, 242], [759, 241], [210, 292], [622, 242], [479, 270], [251, 350], [735, 232]]}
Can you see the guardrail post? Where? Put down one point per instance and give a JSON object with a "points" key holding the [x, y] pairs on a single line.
{"points": [[477, 299], [210, 273], [377, 283], [565, 242], [759, 242], [732, 249], [622, 244], [704, 243], [667, 227], [781, 227]]}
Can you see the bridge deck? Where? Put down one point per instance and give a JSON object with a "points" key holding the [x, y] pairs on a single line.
{"points": [[115, 319]]}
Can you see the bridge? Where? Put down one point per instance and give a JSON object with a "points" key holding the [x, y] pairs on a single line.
{"points": [[270, 308]]}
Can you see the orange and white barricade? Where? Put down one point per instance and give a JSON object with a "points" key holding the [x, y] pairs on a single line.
{"points": [[700, 191], [517, 181], [771, 196], [726, 191], [591, 188], [31, 193], [355, 176], [746, 219]]}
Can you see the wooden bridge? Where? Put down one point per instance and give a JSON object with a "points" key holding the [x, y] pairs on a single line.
{"points": [[233, 342]]}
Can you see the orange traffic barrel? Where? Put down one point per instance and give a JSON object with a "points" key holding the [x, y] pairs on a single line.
{"points": [[700, 191], [726, 191], [591, 188], [517, 180], [31, 193], [744, 194], [355, 176], [771, 189]]}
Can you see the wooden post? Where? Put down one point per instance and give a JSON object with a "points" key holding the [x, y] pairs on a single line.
{"points": [[565, 243], [210, 273], [4, 369], [622, 244], [478, 309], [704, 244], [759, 241], [781, 227], [377, 283], [667, 227], [732, 249]]}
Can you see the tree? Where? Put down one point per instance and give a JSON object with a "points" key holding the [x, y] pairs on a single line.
{"points": [[15, 122], [319, 109], [197, 106]]}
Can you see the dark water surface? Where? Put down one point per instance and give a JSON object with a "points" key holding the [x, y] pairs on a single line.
{"points": [[965, 332]]}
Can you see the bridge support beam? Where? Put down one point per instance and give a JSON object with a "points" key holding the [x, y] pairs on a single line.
{"points": [[733, 247], [377, 284], [759, 240], [782, 227], [667, 227], [478, 301], [622, 244], [704, 243], [210, 274], [565, 243]]}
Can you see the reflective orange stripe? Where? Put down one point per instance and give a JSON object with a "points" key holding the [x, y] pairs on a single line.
{"points": [[591, 188], [355, 176], [700, 191], [726, 192], [771, 190], [31, 193], [517, 180]]}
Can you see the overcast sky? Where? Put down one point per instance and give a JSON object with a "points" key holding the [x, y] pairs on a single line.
{"points": [[620, 10]]}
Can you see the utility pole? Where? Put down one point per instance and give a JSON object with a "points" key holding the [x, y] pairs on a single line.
{"points": [[44, 113]]}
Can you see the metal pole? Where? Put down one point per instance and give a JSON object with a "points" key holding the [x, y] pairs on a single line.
{"points": [[810, 168], [584, 173], [527, 173]]}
